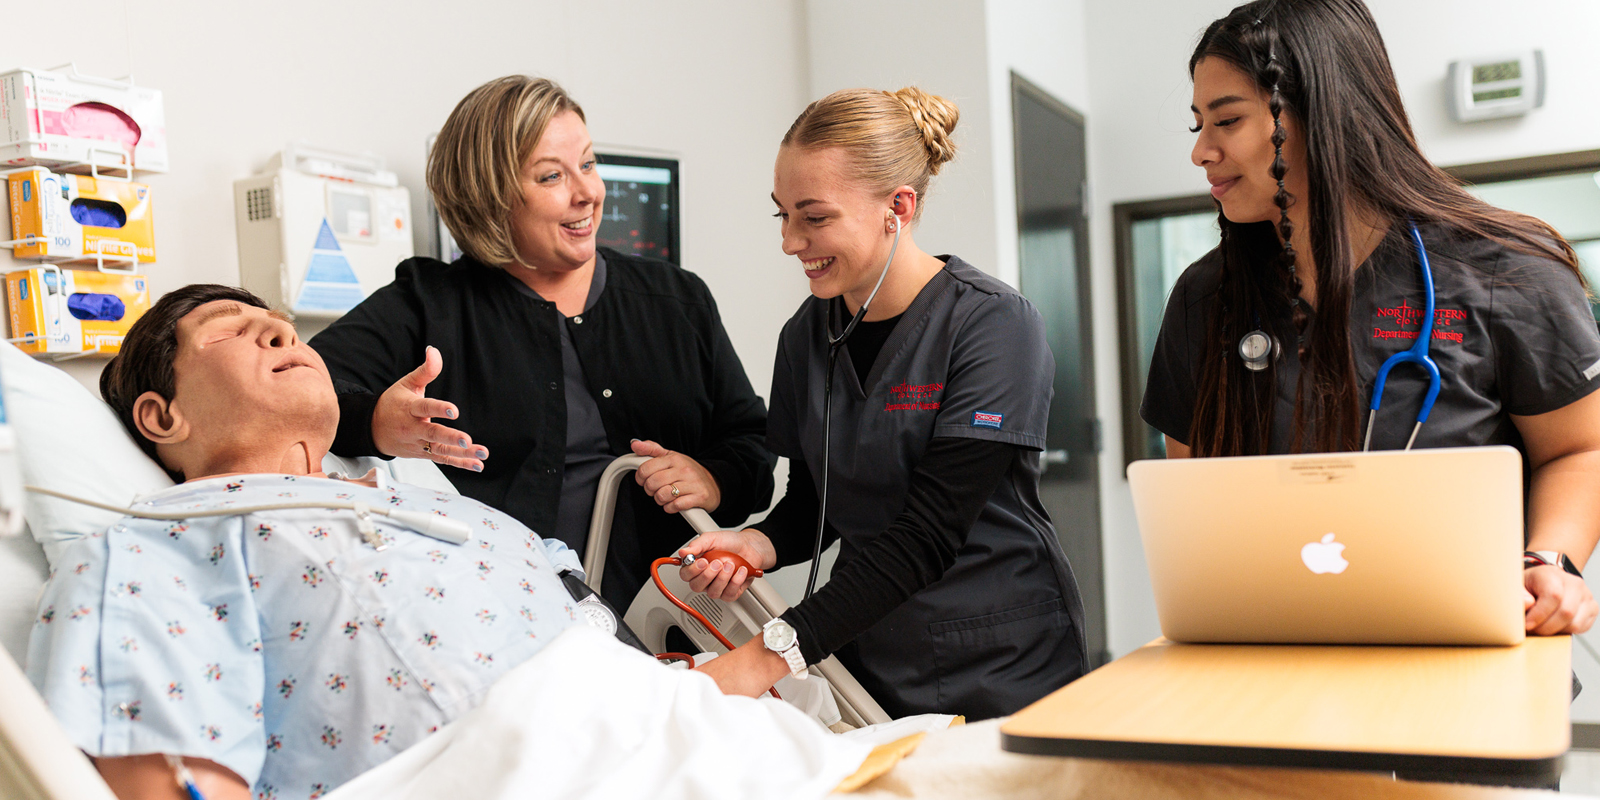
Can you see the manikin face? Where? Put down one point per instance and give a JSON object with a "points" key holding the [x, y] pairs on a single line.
{"points": [[840, 232], [562, 197], [245, 380], [1235, 143]]}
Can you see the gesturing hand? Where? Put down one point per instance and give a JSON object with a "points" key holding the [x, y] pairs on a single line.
{"points": [[403, 426], [675, 480]]}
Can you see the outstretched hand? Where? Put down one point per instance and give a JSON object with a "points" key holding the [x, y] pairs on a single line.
{"points": [[403, 426]]}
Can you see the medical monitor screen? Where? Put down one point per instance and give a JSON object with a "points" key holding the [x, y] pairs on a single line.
{"points": [[641, 211]]}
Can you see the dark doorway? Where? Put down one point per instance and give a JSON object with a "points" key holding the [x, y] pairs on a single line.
{"points": [[1053, 245]]}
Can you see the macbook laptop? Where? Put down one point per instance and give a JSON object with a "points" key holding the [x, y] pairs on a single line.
{"points": [[1394, 547]]}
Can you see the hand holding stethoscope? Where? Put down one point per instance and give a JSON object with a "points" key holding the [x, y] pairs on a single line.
{"points": [[1257, 349]]}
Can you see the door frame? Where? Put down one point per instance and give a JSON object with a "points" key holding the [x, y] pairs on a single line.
{"points": [[1099, 652]]}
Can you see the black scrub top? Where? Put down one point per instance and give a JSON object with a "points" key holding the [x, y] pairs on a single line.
{"points": [[1004, 625], [1513, 333]]}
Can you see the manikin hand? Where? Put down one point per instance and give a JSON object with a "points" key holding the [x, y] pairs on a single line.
{"points": [[719, 578], [668, 469], [402, 422]]}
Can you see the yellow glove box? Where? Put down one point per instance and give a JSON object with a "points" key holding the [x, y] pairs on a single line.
{"points": [[56, 310], [76, 216]]}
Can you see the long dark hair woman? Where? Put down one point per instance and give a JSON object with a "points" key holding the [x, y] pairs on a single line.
{"points": [[1272, 342]]}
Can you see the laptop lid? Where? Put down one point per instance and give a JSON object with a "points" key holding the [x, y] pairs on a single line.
{"points": [[1393, 547]]}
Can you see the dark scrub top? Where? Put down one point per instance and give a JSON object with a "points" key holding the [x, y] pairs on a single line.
{"points": [[1513, 334], [588, 453], [968, 358]]}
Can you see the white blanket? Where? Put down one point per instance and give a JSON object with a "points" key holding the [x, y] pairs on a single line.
{"points": [[591, 718]]}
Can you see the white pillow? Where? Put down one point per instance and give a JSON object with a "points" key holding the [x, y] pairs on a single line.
{"points": [[70, 441]]}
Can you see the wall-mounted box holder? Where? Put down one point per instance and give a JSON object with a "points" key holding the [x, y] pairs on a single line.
{"points": [[56, 310], [74, 217], [64, 120]]}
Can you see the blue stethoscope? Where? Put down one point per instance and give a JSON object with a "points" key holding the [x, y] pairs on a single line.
{"points": [[1257, 349]]}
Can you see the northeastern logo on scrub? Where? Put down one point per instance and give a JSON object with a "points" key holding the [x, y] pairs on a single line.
{"points": [[1407, 320], [906, 397]]}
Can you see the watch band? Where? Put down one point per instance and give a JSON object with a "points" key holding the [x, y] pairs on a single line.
{"points": [[1551, 558], [797, 662]]}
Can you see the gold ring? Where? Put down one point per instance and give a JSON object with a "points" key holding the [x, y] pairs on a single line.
{"points": [[427, 447], [675, 490]]}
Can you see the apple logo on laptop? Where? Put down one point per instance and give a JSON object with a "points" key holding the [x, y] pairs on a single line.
{"points": [[1324, 556]]}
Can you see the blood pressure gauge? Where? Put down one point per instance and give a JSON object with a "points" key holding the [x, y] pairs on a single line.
{"points": [[1498, 86]]}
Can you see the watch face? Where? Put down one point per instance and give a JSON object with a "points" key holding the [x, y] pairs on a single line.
{"points": [[778, 637]]}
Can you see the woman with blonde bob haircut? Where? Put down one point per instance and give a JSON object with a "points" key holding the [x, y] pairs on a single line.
{"points": [[951, 593], [553, 353]]}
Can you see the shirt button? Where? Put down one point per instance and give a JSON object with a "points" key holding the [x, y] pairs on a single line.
{"points": [[552, 386], [577, 320], [606, 393]]}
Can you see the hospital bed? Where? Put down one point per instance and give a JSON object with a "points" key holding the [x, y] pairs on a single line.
{"points": [[82, 450]]}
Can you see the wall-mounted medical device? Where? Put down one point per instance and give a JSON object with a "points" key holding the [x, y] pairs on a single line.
{"points": [[63, 120], [1496, 86], [640, 215], [320, 230]]}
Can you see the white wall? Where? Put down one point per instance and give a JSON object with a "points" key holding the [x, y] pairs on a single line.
{"points": [[1139, 150], [937, 45], [717, 84], [1046, 42]]}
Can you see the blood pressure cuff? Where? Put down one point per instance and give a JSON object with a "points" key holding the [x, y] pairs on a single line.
{"points": [[594, 610]]}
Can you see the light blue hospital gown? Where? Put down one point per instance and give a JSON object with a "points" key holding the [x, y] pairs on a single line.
{"points": [[281, 644]]}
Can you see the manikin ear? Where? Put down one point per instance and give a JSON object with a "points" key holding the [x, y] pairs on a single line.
{"points": [[903, 204], [158, 420]]}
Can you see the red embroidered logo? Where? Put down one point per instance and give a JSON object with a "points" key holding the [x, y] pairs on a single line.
{"points": [[1408, 320], [906, 397]]}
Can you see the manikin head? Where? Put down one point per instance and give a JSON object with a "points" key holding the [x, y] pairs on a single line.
{"points": [[211, 382]]}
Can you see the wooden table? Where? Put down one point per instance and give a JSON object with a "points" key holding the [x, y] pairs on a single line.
{"points": [[1464, 714]]}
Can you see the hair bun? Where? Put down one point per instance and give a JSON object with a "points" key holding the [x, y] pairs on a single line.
{"points": [[935, 118]]}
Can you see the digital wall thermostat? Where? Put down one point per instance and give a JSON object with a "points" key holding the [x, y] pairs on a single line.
{"points": [[1498, 86]]}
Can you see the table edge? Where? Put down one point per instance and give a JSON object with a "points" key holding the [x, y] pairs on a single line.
{"points": [[1546, 769]]}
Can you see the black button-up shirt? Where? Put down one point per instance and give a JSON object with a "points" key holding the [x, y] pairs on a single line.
{"points": [[659, 366]]}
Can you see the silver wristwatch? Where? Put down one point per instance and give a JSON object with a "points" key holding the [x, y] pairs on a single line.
{"points": [[780, 638]]}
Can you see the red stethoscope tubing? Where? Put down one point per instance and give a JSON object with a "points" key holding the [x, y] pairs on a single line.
{"points": [[655, 575]]}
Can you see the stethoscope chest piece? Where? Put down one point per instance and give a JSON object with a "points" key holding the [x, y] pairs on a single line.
{"points": [[1258, 349]]}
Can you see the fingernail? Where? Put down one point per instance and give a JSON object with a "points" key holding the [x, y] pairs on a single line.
{"points": [[633, 441], [451, 413], [463, 442], [481, 453], [477, 467]]}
